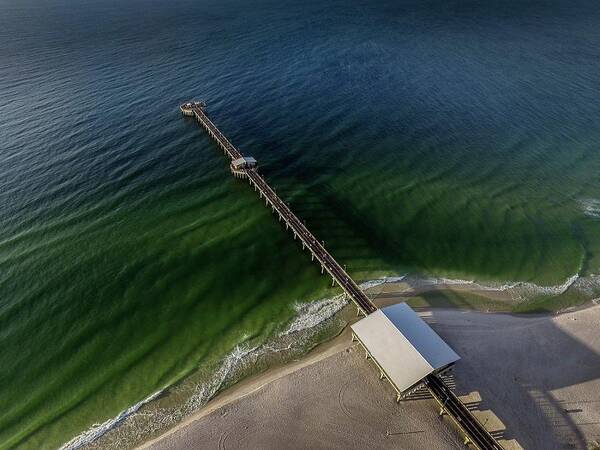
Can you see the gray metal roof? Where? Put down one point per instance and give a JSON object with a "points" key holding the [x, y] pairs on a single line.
{"points": [[243, 161], [405, 347], [238, 162]]}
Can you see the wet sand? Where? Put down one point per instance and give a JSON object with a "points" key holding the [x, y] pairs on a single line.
{"points": [[534, 381]]}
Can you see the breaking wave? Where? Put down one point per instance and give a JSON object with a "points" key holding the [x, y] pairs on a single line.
{"points": [[591, 207], [522, 290], [311, 314], [97, 430]]}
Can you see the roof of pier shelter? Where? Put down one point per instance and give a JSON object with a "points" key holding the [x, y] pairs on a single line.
{"points": [[244, 160], [403, 345]]}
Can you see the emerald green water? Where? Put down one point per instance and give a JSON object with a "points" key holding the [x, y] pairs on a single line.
{"points": [[439, 140]]}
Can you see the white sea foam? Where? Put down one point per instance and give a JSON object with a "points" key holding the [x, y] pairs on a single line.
{"points": [[97, 430], [591, 207], [441, 281], [205, 391], [311, 314], [519, 289], [588, 285], [378, 281]]}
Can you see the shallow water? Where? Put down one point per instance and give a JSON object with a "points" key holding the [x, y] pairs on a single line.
{"points": [[446, 139]]}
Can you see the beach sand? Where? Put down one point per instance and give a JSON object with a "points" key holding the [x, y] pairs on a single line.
{"points": [[534, 381], [332, 399]]}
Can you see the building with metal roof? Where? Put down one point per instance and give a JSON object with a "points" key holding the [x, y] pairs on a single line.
{"points": [[244, 162], [403, 346]]}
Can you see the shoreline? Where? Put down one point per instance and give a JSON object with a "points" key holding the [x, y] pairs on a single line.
{"points": [[254, 384], [318, 330]]}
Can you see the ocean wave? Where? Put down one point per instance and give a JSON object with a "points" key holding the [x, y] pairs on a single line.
{"points": [[591, 207], [519, 290], [311, 314], [588, 285], [207, 390], [97, 430], [379, 281]]}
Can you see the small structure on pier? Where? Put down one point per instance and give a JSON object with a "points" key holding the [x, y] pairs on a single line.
{"points": [[240, 165], [187, 109], [403, 346]]}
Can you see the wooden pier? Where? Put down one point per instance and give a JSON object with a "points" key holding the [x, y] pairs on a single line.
{"points": [[246, 168], [285, 214]]}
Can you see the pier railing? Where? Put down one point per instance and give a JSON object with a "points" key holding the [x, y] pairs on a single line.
{"points": [[216, 134]]}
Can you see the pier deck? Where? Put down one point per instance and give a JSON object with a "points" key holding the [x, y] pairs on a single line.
{"points": [[316, 248], [475, 433]]}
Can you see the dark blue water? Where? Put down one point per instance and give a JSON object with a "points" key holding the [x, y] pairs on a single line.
{"points": [[454, 140]]}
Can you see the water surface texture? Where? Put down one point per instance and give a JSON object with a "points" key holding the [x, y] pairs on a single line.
{"points": [[449, 139]]}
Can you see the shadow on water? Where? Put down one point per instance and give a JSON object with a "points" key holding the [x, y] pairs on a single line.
{"points": [[346, 233]]}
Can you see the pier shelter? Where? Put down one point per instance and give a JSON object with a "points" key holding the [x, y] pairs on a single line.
{"points": [[403, 346], [245, 162], [239, 166]]}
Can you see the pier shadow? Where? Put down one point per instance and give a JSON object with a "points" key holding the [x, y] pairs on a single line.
{"points": [[346, 232], [533, 381]]}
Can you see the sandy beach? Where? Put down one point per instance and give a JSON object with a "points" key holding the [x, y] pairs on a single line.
{"points": [[534, 381]]}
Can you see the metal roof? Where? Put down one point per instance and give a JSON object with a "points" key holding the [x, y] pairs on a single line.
{"points": [[244, 161], [403, 345]]}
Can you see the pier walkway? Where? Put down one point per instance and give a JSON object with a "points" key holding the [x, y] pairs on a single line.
{"points": [[316, 248], [474, 432]]}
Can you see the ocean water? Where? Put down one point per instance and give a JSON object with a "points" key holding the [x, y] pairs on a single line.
{"points": [[448, 140]]}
